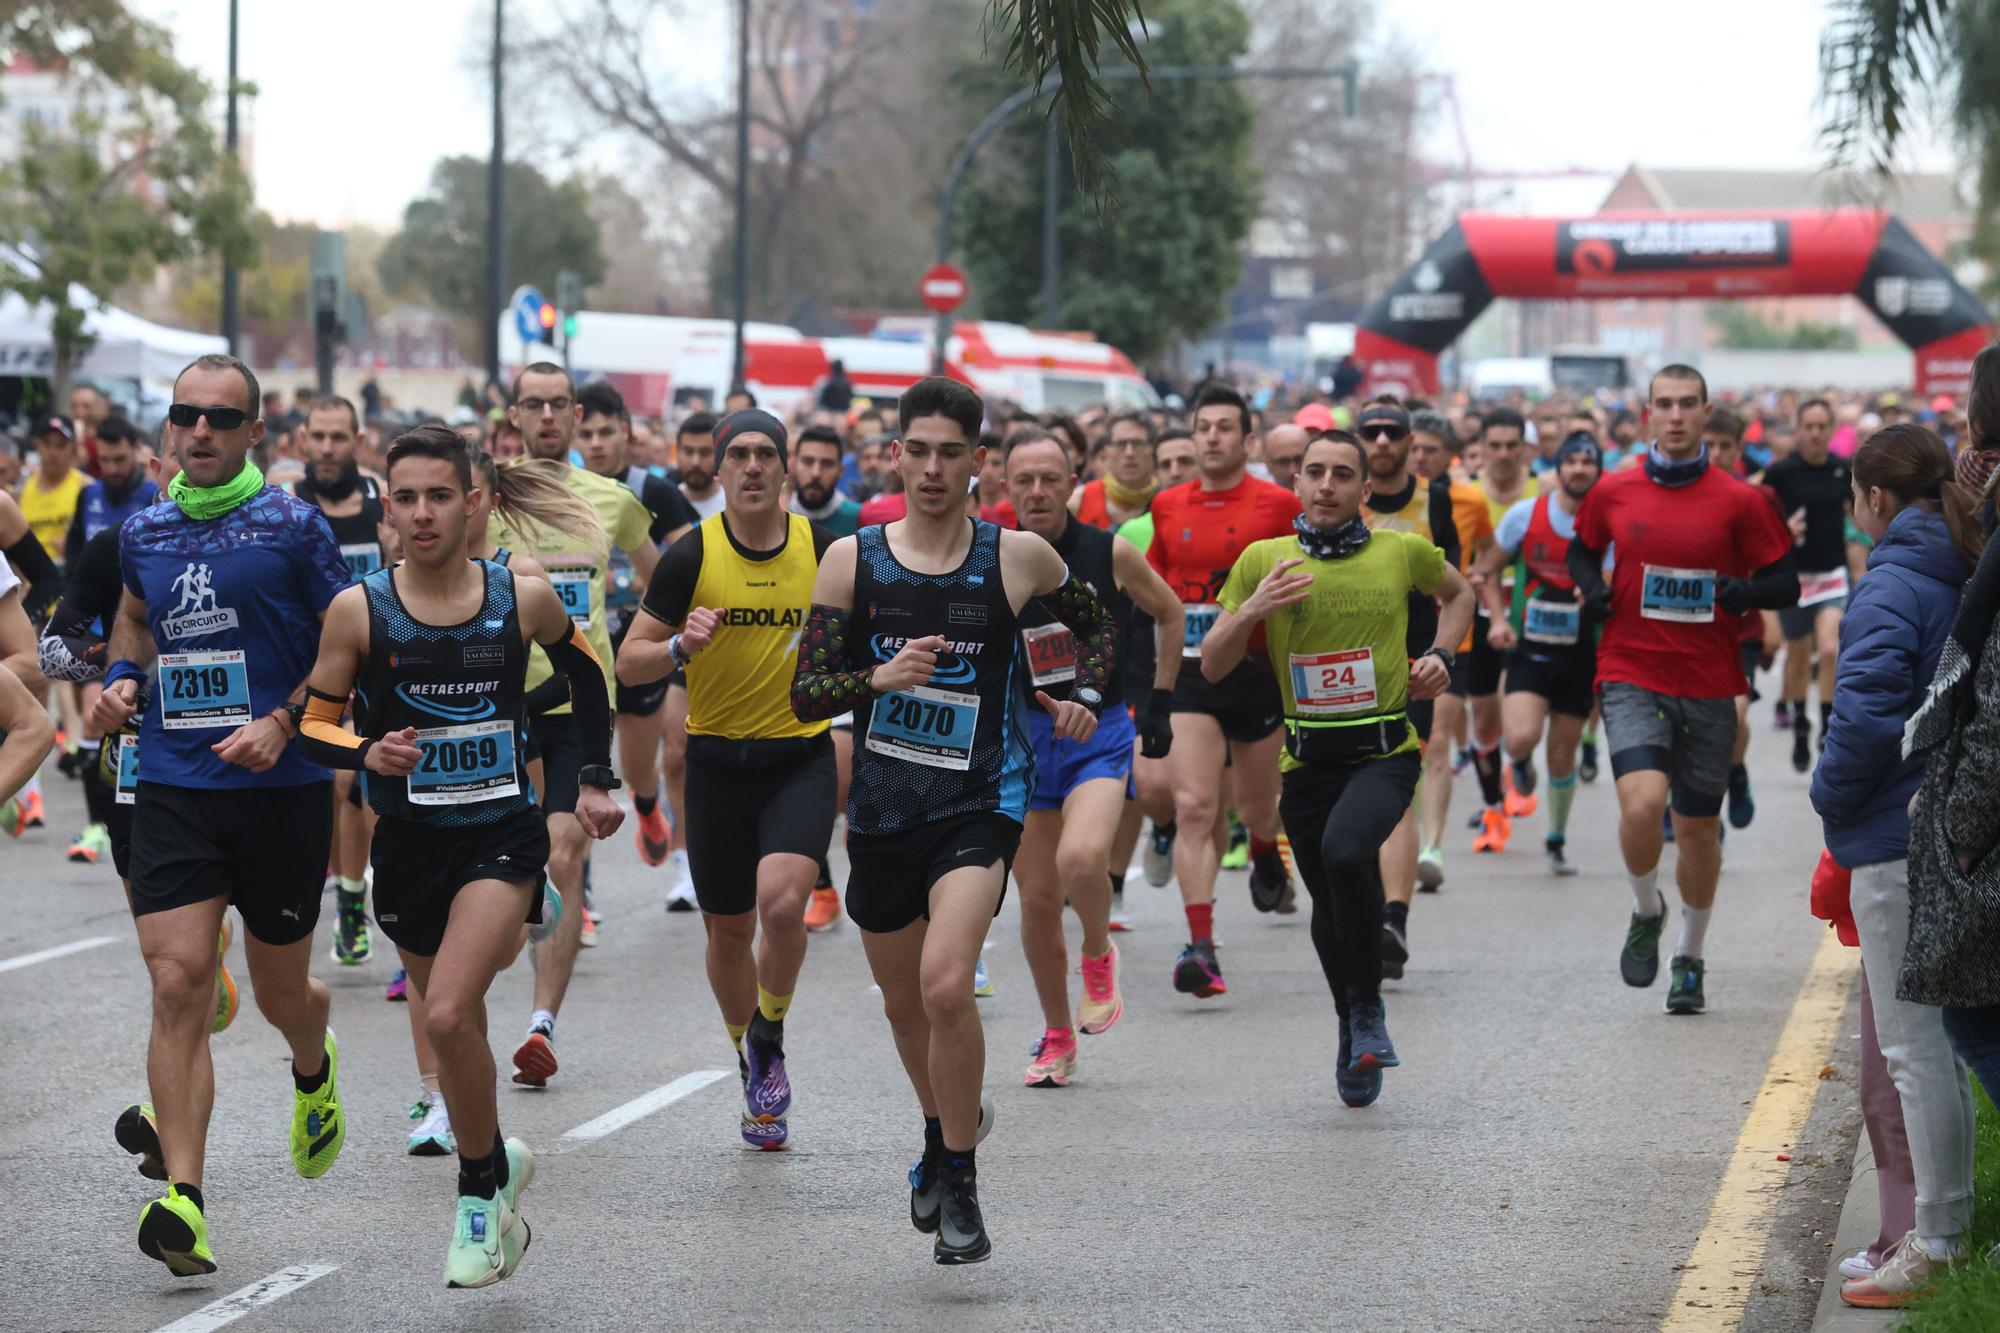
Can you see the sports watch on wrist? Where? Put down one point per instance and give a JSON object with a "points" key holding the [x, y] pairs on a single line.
{"points": [[1089, 698], [1444, 655], [599, 776]]}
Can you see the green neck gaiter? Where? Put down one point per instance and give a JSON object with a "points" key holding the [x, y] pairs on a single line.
{"points": [[205, 502]]}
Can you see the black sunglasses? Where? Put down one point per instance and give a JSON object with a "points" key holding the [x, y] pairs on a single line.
{"points": [[1377, 433], [185, 415]]}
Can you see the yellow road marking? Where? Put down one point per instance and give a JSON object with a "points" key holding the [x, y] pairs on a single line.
{"points": [[1721, 1270]]}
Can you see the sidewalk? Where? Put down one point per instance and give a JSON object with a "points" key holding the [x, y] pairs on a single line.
{"points": [[1858, 1224]]}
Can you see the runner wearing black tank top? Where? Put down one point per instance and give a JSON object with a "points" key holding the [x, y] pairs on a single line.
{"points": [[913, 627]]}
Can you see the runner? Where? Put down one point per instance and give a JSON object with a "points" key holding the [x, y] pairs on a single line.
{"points": [[694, 456], [1199, 529], [1333, 600], [1081, 787], [694, 460], [436, 650], [1284, 446], [726, 605], [1722, 436], [1690, 541], [1127, 490], [913, 627], [546, 409], [1504, 479], [1813, 488], [1552, 659], [26, 733], [225, 585], [815, 477], [604, 438]]}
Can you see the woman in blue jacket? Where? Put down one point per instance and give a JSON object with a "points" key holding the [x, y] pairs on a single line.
{"points": [[1926, 542]]}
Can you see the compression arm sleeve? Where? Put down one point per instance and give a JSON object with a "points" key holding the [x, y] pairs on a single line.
{"points": [[38, 572], [589, 697], [1096, 632], [820, 689], [1586, 570], [69, 651], [321, 738], [1776, 585], [551, 693]]}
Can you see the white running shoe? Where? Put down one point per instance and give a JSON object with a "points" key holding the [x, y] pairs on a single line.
{"points": [[680, 884], [1857, 1265], [432, 1137]]}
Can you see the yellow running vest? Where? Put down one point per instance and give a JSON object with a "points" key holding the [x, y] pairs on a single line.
{"points": [[740, 686]]}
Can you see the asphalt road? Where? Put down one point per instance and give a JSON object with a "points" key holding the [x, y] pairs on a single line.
{"points": [[1544, 1158]]}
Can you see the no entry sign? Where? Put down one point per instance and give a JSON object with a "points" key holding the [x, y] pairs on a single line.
{"points": [[942, 288]]}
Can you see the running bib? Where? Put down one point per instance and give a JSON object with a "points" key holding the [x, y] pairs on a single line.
{"points": [[200, 690], [1552, 622], [1330, 684], [573, 586], [1051, 654], [925, 726], [464, 764], [1686, 595], [128, 770], [363, 558], [1815, 589], [1200, 620]]}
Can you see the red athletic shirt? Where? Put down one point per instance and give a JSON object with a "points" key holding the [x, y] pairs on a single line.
{"points": [[1090, 509], [1673, 543], [884, 508], [1198, 534]]}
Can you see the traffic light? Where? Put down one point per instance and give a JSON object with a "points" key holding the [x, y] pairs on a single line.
{"points": [[547, 317], [569, 325]]}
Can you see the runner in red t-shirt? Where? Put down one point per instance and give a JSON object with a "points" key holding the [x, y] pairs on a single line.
{"points": [[1199, 529], [1723, 435], [1695, 549]]}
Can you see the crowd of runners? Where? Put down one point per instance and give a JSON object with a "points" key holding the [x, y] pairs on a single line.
{"points": [[295, 658]]}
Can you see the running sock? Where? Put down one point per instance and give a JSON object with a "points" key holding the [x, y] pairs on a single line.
{"points": [[645, 805], [1486, 763], [350, 887], [97, 800], [192, 1193], [959, 1161], [479, 1176], [310, 1082], [825, 880], [1201, 923], [1117, 885], [934, 1134], [1562, 791], [500, 1173], [1397, 915], [1259, 847], [773, 1007], [1694, 929], [1941, 1247], [1166, 830], [1646, 892], [545, 1021], [736, 1032]]}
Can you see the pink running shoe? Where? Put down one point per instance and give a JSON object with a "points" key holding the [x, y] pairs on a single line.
{"points": [[1102, 1005]]}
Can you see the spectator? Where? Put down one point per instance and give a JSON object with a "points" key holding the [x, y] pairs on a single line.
{"points": [[837, 394]]}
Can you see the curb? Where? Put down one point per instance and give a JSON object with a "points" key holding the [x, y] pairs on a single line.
{"points": [[1859, 1221]]}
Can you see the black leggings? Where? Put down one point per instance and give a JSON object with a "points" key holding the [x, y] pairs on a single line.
{"points": [[1338, 817]]}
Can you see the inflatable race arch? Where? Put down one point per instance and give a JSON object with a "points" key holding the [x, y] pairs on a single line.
{"points": [[1712, 256]]}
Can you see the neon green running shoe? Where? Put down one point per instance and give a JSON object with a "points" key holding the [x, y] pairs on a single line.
{"points": [[172, 1230], [478, 1253], [1237, 855], [520, 1173], [318, 1127]]}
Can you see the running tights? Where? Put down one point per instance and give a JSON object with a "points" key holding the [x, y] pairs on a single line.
{"points": [[1338, 817]]}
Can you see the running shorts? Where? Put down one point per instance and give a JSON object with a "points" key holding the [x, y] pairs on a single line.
{"points": [[1063, 766], [890, 875], [1476, 674], [420, 867], [262, 848], [1797, 622], [750, 799], [1567, 679], [1245, 702], [638, 700], [1690, 740], [561, 748]]}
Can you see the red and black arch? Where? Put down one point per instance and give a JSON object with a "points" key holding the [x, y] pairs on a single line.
{"points": [[1706, 256]]}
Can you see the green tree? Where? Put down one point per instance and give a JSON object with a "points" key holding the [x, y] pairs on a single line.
{"points": [[442, 246], [133, 176], [1745, 327], [1154, 265], [275, 294]]}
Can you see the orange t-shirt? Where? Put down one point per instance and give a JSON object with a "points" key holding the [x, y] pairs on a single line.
{"points": [[1473, 517]]}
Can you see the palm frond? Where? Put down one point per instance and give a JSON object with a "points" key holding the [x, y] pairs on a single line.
{"points": [[1878, 62], [1068, 38]]}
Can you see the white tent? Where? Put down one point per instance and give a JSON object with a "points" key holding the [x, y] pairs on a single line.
{"points": [[127, 347]]}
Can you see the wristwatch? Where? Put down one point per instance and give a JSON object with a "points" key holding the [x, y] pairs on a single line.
{"points": [[1444, 655], [297, 713], [678, 652], [1089, 698], [599, 776]]}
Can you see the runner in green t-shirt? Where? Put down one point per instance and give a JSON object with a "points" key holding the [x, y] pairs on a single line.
{"points": [[1333, 603]]}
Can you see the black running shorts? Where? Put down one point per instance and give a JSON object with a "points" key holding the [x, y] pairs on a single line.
{"points": [[1476, 674], [419, 869], [750, 799], [1245, 703], [1567, 678], [890, 875], [262, 848]]}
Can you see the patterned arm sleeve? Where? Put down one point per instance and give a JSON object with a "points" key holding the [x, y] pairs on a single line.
{"points": [[1096, 632], [820, 688]]}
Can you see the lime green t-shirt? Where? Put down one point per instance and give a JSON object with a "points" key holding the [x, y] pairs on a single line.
{"points": [[1340, 654], [1138, 531], [577, 569]]}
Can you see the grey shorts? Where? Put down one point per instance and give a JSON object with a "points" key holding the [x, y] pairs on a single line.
{"points": [[1798, 622], [1690, 740]]}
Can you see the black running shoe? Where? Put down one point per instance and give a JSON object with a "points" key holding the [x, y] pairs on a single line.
{"points": [[1268, 878], [1801, 745], [1586, 767], [1639, 961], [1524, 776], [1684, 995], [1395, 950], [1369, 1029], [1358, 1088], [926, 1192], [1742, 806], [961, 1233]]}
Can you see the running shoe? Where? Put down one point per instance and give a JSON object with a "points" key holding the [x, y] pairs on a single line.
{"points": [[226, 999], [1462, 760], [351, 945], [92, 845], [1103, 1005], [1158, 862], [823, 910], [1197, 972], [398, 987], [767, 1133], [769, 1092], [1801, 745], [1395, 950], [1905, 1274], [680, 885], [535, 1058], [27, 812], [1288, 901], [1742, 806], [318, 1126], [654, 836], [1368, 1028], [478, 1253], [138, 1134], [1237, 855], [1268, 877], [926, 1187], [1781, 717], [10, 816], [1494, 830], [590, 920], [1430, 869], [982, 985], [1521, 798], [961, 1234], [1559, 865], [1586, 764], [1476, 820], [1357, 1087], [1052, 1060], [1639, 961], [1684, 977], [552, 910], [1121, 920], [431, 1136], [172, 1230], [1857, 1264], [69, 762]]}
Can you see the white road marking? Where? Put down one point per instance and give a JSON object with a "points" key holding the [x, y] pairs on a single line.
{"points": [[60, 951], [640, 1107], [239, 1303]]}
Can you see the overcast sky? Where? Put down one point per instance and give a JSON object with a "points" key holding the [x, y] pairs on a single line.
{"points": [[355, 104]]}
